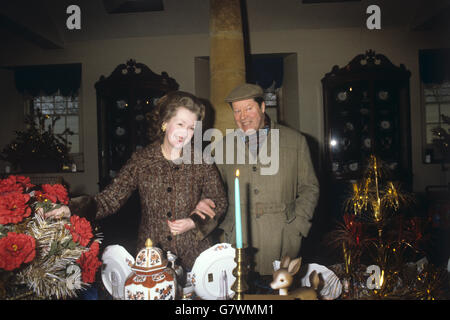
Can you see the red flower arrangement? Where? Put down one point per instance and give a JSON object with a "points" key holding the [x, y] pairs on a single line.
{"points": [[14, 207], [62, 242], [16, 249], [89, 263], [15, 184], [80, 229], [55, 193]]}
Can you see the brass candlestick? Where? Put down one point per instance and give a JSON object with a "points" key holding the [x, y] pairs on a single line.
{"points": [[240, 271]]}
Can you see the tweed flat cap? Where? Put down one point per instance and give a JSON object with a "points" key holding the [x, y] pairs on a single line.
{"points": [[244, 91]]}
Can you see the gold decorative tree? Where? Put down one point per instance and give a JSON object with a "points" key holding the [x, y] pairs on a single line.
{"points": [[374, 224]]}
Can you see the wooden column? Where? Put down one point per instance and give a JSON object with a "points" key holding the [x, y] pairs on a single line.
{"points": [[227, 62]]}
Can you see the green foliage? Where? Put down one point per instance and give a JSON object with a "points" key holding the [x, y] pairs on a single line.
{"points": [[57, 248], [46, 206], [3, 231]]}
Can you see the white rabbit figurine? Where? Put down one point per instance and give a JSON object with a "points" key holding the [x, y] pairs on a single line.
{"points": [[283, 277]]}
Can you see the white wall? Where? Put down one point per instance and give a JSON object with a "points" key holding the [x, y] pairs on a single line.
{"points": [[317, 52], [291, 116]]}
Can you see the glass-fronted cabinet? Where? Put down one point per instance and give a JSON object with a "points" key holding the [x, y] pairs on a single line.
{"points": [[367, 111]]}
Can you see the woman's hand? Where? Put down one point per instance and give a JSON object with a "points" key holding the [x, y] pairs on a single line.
{"points": [[58, 213], [180, 226], [205, 208]]}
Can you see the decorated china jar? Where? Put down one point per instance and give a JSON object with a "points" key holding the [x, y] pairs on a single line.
{"points": [[151, 278]]}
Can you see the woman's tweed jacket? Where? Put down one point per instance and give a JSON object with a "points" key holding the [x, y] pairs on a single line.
{"points": [[167, 192]]}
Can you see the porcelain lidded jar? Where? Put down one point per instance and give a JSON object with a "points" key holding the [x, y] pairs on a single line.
{"points": [[151, 278]]}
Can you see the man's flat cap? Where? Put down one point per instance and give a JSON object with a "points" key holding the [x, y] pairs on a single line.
{"points": [[244, 91]]}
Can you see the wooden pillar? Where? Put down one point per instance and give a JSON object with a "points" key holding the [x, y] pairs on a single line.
{"points": [[227, 60]]}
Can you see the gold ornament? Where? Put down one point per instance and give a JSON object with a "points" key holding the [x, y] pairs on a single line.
{"points": [[371, 199], [163, 127], [347, 258]]}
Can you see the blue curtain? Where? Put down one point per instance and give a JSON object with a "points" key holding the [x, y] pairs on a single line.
{"points": [[266, 69], [434, 65], [48, 79]]}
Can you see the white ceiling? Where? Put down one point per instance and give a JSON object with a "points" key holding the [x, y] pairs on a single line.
{"points": [[47, 18]]}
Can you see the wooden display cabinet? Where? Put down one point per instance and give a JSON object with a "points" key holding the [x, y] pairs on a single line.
{"points": [[367, 111]]}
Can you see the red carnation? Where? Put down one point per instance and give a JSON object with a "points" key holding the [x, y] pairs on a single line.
{"points": [[9, 185], [24, 181], [13, 207], [15, 249], [89, 263], [55, 193], [80, 229], [39, 196], [15, 184]]}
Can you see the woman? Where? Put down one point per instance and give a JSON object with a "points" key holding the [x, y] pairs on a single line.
{"points": [[173, 195]]}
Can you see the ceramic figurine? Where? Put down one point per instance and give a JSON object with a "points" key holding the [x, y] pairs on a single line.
{"points": [[152, 278], [283, 278]]}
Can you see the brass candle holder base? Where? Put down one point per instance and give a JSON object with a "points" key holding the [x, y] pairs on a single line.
{"points": [[239, 272]]}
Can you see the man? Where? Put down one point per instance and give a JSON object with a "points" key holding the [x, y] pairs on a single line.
{"points": [[277, 208]]}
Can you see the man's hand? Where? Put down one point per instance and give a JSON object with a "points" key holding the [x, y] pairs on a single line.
{"points": [[205, 208]]}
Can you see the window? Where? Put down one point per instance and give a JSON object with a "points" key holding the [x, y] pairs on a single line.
{"points": [[434, 66], [55, 91], [67, 109], [436, 101]]}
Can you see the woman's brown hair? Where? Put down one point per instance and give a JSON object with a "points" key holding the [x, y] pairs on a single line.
{"points": [[167, 107]]}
